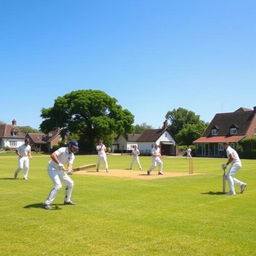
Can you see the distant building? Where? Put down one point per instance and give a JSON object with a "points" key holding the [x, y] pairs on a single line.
{"points": [[44, 142], [11, 137], [145, 141], [226, 127]]}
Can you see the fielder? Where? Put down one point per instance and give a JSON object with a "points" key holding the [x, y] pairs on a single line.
{"points": [[135, 157], [236, 164], [156, 160], [102, 156], [188, 151], [24, 153], [60, 157]]}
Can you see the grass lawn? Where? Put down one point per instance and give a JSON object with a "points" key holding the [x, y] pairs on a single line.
{"points": [[127, 217]]}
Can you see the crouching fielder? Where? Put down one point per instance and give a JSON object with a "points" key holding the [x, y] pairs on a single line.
{"points": [[156, 160], [235, 161], [62, 156]]}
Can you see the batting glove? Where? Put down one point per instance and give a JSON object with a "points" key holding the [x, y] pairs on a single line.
{"points": [[61, 166], [69, 172], [224, 166]]}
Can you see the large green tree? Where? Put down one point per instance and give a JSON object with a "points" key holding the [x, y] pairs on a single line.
{"points": [[88, 115], [28, 129], [140, 128], [185, 125]]}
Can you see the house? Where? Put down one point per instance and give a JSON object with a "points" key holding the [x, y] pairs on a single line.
{"points": [[145, 141], [226, 127], [10, 136], [125, 144], [44, 142]]}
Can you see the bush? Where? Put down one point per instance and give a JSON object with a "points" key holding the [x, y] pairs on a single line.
{"points": [[7, 148]]}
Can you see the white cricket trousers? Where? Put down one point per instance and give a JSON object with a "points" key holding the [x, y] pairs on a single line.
{"points": [[57, 176], [230, 177], [104, 160], [156, 161], [135, 159], [23, 163]]}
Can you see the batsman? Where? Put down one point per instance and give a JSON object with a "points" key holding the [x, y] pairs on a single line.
{"points": [[235, 162], [56, 167]]}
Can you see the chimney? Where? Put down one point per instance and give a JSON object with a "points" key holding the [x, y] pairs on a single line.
{"points": [[14, 122], [165, 124]]}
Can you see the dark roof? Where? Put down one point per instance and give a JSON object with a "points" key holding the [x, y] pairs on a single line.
{"points": [[11, 131], [241, 119], [41, 138], [38, 138], [133, 137], [150, 135]]}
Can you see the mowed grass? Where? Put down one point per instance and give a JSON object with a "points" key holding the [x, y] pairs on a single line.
{"points": [[116, 216]]}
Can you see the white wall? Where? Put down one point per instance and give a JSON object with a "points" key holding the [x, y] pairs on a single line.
{"points": [[12, 143], [122, 143], [166, 137]]}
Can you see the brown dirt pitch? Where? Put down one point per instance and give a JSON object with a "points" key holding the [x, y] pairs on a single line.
{"points": [[133, 174]]}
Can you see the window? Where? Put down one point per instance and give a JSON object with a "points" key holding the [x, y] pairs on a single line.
{"points": [[214, 132], [14, 132], [221, 148], [13, 143], [233, 131]]}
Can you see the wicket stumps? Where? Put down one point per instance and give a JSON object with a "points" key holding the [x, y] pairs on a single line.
{"points": [[190, 166]]}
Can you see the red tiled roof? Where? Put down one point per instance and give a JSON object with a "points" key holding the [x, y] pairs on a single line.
{"points": [[218, 139], [7, 129]]}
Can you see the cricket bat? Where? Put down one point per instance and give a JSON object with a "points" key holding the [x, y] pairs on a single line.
{"points": [[82, 167], [223, 179]]}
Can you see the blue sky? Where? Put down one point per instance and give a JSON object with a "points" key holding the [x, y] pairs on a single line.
{"points": [[151, 55]]}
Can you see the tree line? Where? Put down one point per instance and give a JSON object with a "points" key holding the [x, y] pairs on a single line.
{"points": [[90, 115]]}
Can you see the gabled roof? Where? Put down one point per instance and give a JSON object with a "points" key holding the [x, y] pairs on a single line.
{"points": [[41, 138], [133, 137], [218, 139], [241, 119], [150, 135], [38, 138], [8, 130]]}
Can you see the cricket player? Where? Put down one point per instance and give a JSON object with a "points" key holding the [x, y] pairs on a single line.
{"points": [[24, 153], [56, 166], [102, 156], [135, 157], [236, 164], [188, 152], [156, 160]]}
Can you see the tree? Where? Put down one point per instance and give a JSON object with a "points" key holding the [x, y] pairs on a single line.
{"points": [[28, 129], [189, 133], [141, 128], [89, 115], [185, 125]]}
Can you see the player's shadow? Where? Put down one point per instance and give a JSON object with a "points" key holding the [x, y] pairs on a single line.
{"points": [[213, 193], [40, 205], [7, 179]]}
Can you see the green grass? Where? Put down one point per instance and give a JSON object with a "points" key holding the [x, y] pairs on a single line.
{"points": [[114, 216]]}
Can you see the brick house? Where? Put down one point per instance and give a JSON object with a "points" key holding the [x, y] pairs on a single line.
{"points": [[226, 127], [44, 142]]}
